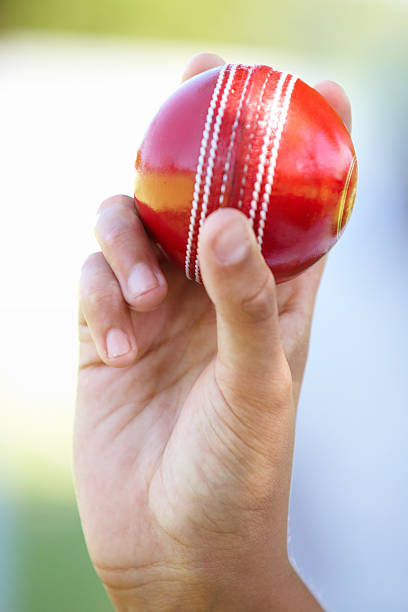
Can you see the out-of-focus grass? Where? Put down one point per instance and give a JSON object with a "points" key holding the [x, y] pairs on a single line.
{"points": [[343, 28], [55, 572]]}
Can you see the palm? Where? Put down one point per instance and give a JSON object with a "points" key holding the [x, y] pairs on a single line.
{"points": [[139, 452]]}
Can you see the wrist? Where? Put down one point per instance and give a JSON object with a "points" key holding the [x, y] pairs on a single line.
{"points": [[157, 589], [160, 597], [279, 592]]}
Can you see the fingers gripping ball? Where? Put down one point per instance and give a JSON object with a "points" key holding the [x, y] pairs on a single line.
{"points": [[256, 139]]}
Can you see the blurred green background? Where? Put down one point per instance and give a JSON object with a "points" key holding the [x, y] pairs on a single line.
{"points": [[364, 39], [362, 28], [47, 568]]}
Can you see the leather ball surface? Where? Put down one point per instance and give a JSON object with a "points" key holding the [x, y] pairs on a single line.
{"points": [[256, 139]]}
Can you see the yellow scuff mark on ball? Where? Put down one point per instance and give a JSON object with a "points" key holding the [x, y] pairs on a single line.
{"points": [[343, 197], [164, 190]]}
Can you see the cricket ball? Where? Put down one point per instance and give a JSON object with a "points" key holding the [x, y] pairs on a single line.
{"points": [[256, 139]]}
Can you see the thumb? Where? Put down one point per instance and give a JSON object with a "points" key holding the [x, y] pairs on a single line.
{"points": [[242, 288]]}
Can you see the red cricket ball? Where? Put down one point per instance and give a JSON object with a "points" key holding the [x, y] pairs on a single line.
{"points": [[256, 139]]}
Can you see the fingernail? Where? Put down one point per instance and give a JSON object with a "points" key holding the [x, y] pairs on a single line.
{"points": [[117, 343], [141, 280], [231, 244]]}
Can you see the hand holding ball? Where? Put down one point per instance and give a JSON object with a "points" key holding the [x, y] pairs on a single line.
{"points": [[255, 139]]}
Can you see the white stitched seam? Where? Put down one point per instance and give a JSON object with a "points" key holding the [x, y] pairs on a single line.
{"points": [[274, 159], [200, 165], [272, 124], [248, 155], [211, 161], [233, 135]]}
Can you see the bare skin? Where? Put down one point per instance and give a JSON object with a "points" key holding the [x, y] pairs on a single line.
{"points": [[186, 416]]}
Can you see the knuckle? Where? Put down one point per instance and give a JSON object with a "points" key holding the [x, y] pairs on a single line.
{"points": [[260, 305], [96, 288], [97, 299], [115, 201], [89, 264], [115, 227], [112, 236]]}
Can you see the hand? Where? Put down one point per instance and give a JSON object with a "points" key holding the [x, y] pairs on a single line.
{"points": [[186, 414]]}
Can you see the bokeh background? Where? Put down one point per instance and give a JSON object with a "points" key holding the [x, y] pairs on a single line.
{"points": [[79, 82]]}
